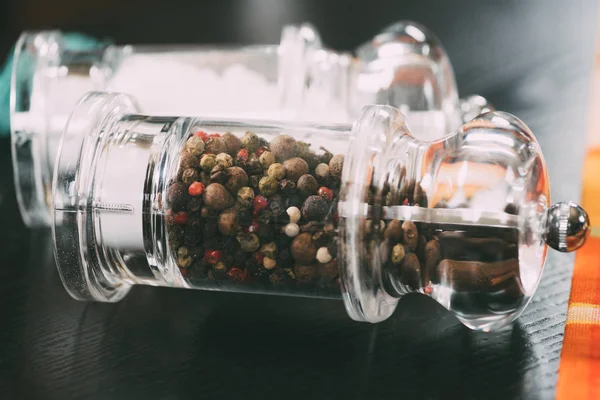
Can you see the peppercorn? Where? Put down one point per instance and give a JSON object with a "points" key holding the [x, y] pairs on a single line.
{"points": [[181, 218], [213, 256], [228, 224], [283, 147], [305, 273], [250, 141], [294, 213], [336, 164], [249, 242], [328, 271], [237, 179], [280, 278], [194, 204], [254, 166], [177, 196], [242, 157], [295, 168], [232, 143], [315, 208], [188, 160], [205, 178], [189, 175], [269, 263], [325, 193], [267, 186], [292, 229], [215, 145], [217, 197], [196, 188], [208, 162], [323, 255], [195, 145], [322, 171], [259, 203], [303, 248], [312, 227], [175, 235], [210, 229], [276, 171], [245, 197], [398, 254], [295, 200], [199, 270], [244, 217], [269, 249], [202, 135], [219, 269], [307, 185], [411, 272], [264, 217], [192, 236], [410, 235], [287, 187], [394, 231], [266, 159], [208, 213], [224, 159], [219, 174]]}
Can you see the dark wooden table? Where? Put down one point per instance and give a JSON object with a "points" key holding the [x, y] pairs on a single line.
{"points": [[530, 58]]}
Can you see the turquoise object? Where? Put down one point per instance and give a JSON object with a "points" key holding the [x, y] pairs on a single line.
{"points": [[73, 41]]}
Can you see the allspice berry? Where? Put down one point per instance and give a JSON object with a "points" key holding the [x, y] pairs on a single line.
{"points": [[266, 159], [315, 208], [189, 176], [267, 186], [208, 162], [433, 257], [177, 196], [283, 147], [217, 197], [251, 141], [410, 271], [249, 242], [336, 164], [245, 196], [307, 185], [276, 171], [295, 168], [305, 273], [398, 254], [224, 159], [237, 179], [411, 235], [195, 145], [303, 248], [232, 143], [215, 145], [228, 224], [322, 171], [394, 232]]}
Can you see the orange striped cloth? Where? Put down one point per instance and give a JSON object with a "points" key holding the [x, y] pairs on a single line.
{"points": [[579, 372]]}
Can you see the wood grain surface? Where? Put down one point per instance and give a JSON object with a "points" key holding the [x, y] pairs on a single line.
{"points": [[531, 58]]}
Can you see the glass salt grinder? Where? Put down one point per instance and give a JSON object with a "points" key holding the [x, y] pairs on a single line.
{"points": [[364, 212], [405, 66]]}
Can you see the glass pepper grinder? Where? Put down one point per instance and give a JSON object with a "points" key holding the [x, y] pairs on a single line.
{"points": [[365, 213], [298, 79]]}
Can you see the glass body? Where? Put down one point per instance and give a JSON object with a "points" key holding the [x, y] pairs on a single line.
{"points": [[404, 66], [365, 212]]}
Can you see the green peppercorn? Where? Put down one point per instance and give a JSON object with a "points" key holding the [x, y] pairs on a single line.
{"points": [[251, 141], [283, 147], [266, 159], [276, 171], [208, 162], [249, 242], [245, 196], [184, 260], [224, 159], [269, 250], [195, 145], [398, 254], [267, 186], [232, 143], [189, 176]]}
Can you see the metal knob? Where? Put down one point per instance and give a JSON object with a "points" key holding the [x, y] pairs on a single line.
{"points": [[567, 226]]}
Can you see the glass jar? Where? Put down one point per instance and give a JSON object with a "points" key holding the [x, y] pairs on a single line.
{"points": [[298, 79], [363, 212]]}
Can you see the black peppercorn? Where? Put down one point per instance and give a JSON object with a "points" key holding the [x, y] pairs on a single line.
{"points": [[210, 229], [199, 270], [189, 176], [237, 179], [177, 196], [188, 160], [307, 185], [192, 236], [194, 204], [315, 208], [244, 217], [232, 143]]}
